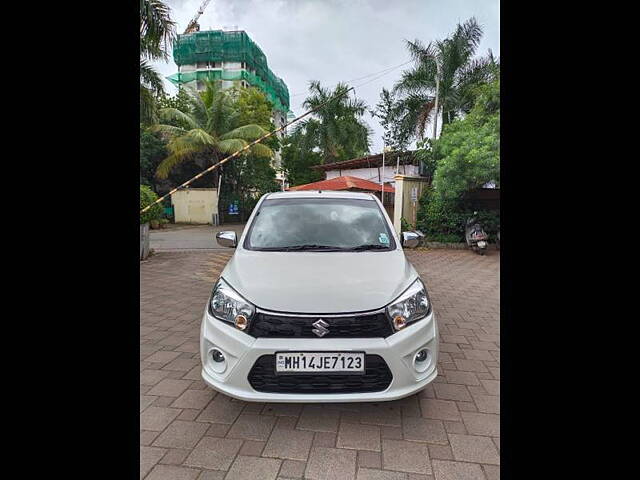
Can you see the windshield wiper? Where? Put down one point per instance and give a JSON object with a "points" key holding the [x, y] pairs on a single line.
{"points": [[299, 248], [370, 246], [311, 247]]}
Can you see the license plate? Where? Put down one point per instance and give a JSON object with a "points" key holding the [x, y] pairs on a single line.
{"points": [[319, 362]]}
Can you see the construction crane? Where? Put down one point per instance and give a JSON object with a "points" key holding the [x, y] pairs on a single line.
{"points": [[193, 25]]}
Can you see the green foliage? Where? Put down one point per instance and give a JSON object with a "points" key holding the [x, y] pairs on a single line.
{"points": [[148, 196], [298, 158], [179, 101], [396, 134], [443, 220], [452, 62], [157, 34], [405, 226], [152, 151], [337, 130], [468, 151], [210, 126]]}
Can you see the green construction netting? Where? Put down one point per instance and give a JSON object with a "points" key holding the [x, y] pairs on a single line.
{"points": [[221, 46], [253, 80]]}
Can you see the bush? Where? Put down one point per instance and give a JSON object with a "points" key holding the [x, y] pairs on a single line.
{"points": [[148, 196], [444, 220]]}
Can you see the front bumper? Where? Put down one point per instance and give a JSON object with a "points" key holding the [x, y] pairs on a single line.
{"points": [[241, 351]]}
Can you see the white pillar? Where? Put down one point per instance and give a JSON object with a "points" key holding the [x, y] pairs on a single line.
{"points": [[397, 203]]}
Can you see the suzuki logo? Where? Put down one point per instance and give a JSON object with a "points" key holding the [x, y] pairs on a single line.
{"points": [[321, 327]]}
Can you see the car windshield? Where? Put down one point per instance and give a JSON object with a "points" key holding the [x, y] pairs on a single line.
{"points": [[321, 224]]}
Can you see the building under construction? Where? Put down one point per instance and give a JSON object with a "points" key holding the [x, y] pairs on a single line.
{"points": [[232, 58]]}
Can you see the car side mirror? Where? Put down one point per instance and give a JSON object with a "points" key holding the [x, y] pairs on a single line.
{"points": [[227, 239], [411, 239]]}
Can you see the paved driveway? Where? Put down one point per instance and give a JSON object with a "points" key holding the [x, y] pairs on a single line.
{"points": [[449, 431], [189, 237]]}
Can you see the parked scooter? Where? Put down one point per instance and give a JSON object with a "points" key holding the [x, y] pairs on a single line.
{"points": [[475, 235]]}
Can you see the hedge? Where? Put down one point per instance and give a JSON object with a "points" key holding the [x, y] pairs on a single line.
{"points": [[444, 221], [148, 196]]}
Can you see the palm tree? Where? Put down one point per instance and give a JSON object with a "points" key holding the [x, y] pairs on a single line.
{"points": [[205, 129], [443, 80], [157, 33], [337, 131]]}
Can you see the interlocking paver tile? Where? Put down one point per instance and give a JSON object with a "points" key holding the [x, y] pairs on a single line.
{"points": [[474, 448], [440, 452], [151, 377], [369, 459], [221, 410], [212, 475], [424, 430], [254, 468], [146, 400], [289, 444], [252, 448], [162, 357], [197, 399], [492, 387], [175, 456], [447, 391], [374, 474], [405, 456], [171, 472], [170, 387], [359, 437], [439, 409], [331, 464], [446, 470], [181, 434], [292, 469], [252, 427], [283, 409], [482, 423], [318, 419], [384, 414], [157, 418], [214, 453], [492, 472], [487, 403], [149, 456]]}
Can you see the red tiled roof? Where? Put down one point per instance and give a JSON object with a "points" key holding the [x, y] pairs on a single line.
{"points": [[344, 183]]}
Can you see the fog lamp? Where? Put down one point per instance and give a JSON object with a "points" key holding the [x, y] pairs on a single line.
{"points": [[217, 356], [241, 322], [421, 356]]}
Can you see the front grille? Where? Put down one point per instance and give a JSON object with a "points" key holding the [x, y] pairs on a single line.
{"points": [[355, 326], [263, 378]]}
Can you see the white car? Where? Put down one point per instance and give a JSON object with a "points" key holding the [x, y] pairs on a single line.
{"points": [[319, 304]]}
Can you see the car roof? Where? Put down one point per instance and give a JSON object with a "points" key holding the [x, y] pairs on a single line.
{"points": [[320, 194]]}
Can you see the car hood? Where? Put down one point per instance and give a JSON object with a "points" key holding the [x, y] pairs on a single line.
{"points": [[319, 282]]}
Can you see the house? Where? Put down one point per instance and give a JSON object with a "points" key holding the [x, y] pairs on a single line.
{"points": [[371, 169]]}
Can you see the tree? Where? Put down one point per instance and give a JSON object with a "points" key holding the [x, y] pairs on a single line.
{"points": [[157, 33], [152, 150], [212, 129], [396, 135], [337, 128], [446, 67], [468, 152], [248, 177], [297, 159]]}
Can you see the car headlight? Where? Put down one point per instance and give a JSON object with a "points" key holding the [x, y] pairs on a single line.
{"points": [[228, 305], [411, 306]]}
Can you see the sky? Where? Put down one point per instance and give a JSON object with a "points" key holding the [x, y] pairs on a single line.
{"points": [[339, 40]]}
